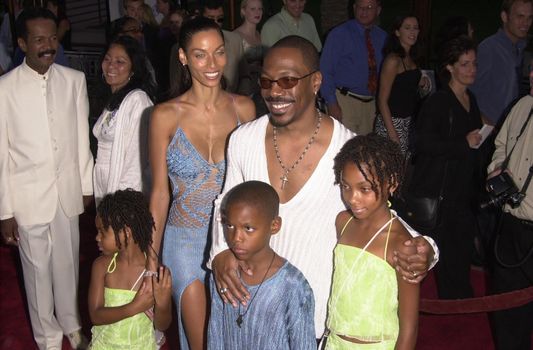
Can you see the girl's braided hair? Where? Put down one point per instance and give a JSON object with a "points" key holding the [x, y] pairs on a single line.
{"points": [[372, 153], [128, 208]]}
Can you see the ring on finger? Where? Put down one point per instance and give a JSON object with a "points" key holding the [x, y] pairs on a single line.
{"points": [[223, 290], [414, 273]]}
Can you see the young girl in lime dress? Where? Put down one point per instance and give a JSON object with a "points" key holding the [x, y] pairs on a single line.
{"points": [[371, 306], [122, 293]]}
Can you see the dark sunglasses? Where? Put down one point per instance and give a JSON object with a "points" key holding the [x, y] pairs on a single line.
{"points": [[283, 82]]}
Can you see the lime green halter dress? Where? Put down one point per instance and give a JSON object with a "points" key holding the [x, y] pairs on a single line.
{"points": [[364, 298], [132, 333]]}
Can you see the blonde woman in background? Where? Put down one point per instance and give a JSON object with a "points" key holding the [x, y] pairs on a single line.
{"points": [[251, 14]]}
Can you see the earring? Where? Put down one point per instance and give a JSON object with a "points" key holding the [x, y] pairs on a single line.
{"points": [[389, 204]]}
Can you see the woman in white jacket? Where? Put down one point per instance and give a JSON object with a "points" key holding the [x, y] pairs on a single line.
{"points": [[121, 129]]}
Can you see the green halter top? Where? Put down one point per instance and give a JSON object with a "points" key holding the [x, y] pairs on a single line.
{"points": [[132, 333], [364, 295]]}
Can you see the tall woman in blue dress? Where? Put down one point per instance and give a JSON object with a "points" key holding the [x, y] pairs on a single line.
{"points": [[188, 135], [399, 82], [446, 157]]}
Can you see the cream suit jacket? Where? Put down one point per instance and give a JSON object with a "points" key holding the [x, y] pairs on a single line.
{"points": [[44, 144]]}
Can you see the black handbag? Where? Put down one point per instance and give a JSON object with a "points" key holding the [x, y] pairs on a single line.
{"points": [[422, 213]]}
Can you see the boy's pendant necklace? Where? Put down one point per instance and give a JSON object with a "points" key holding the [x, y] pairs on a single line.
{"points": [[239, 319]]}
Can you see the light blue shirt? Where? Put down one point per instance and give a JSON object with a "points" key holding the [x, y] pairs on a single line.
{"points": [[280, 316]]}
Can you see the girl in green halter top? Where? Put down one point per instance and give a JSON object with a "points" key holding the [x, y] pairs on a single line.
{"points": [[371, 306], [122, 293]]}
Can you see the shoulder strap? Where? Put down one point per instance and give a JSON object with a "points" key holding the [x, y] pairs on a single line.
{"points": [[138, 279], [112, 264], [346, 224], [378, 232], [235, 109], [388, 235], [403, 63], [506, 160]]}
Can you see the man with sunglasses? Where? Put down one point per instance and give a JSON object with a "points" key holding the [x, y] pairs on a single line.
{"points": [[214, 10], [350, 64], [292, 148]]}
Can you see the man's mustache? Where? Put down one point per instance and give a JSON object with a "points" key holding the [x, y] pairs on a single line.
{"points": [[47, 52]]}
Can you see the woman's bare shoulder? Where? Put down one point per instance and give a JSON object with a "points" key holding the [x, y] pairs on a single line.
{"points": [[169, 113], [245, 107], [342, 219], [392, 60]]}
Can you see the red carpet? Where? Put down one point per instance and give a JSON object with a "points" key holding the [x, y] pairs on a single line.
{"points": [[435, 332]]}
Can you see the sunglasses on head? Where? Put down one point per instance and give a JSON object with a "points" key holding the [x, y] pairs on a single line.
{"points": [[283, 82]]}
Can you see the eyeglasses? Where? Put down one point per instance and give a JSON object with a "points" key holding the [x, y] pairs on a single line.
{"points": [[283, 82]]}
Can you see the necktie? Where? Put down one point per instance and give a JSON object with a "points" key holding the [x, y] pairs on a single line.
{"points": [[372, 67]]}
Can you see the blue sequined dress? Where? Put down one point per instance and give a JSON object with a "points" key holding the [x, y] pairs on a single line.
{"points": [[195, 185]]}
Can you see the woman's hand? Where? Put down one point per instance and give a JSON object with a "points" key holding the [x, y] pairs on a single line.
{"points": [[226, 272], [393, 135], [473, 138], [162, 286]]}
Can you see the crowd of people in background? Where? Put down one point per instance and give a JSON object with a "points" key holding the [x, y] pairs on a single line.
{"points": [[248, 175]]}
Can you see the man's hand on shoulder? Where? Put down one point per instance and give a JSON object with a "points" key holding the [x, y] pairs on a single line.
{"points": [[226, 272], [413, 259]]}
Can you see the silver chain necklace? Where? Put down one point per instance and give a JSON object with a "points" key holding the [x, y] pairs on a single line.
{"points": [[240, 319], [285, 177]]}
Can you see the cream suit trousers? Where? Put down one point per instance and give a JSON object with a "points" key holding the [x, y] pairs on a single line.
{"points": [[50, 260]]}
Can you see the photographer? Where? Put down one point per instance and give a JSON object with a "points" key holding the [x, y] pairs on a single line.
{"points": [[513, 268]]}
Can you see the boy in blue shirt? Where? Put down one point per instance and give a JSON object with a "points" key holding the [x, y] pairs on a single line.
{"points": [[280, 311]]}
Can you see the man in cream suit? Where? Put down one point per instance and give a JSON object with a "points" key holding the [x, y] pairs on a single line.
{"points": [[45, 177]]}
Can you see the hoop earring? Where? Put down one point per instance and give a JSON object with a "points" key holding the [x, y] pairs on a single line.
{"points": [[389, 204]]}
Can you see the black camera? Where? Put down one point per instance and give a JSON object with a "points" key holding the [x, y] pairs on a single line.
{"points": [[502, 190]]}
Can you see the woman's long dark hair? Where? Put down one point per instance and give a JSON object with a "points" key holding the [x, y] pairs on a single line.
{"points": [[393, 45], [141, 77], [188, 30]]}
